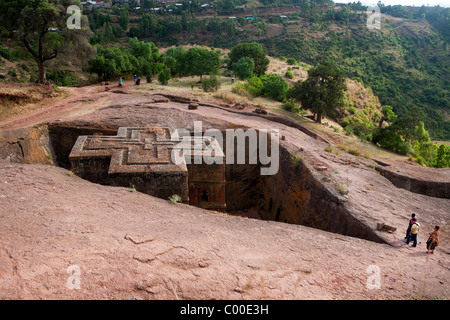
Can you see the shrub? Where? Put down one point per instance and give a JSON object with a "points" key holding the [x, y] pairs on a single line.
{"points": [[174, 199], [289, 75], [25, 67], [6, 53], [295, 161], [353, 152], [291, 61], [390, 140], [164, 76], [255, 86], [64, 77], [420, 160], [289, 105], [12, 72], [276, 87], [329, 149], [241, 89], [211, 84], [335, 129], [361, 130]]}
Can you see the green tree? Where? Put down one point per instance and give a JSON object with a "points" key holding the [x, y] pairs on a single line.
{"points": [[226, 6], [124, 18], [41, 26], [254, 51], [108, 33], [322, 92], [148, 4], [148, 26], [140, 57], [411, 126], [105, 68], [387, 114], [174, 58], [443, 157], [164, 76], [275, 87], [199, 61], [146, 50], [244, 68]]}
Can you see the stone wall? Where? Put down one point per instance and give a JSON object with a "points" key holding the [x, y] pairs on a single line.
{"points": [[296, 195], [429, 188], [28, 145], [64, 136]]}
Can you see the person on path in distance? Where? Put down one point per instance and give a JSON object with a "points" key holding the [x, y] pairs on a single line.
{"points": [[433, 240], [413, 234], [411, 222]]}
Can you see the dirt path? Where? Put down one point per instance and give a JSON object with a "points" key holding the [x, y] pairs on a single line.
{"points": [[75, 102]]}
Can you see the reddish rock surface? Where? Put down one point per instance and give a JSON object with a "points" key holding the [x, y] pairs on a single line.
{"points": [[128, 245]]}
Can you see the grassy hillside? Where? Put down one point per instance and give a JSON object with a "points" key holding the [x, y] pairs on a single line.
{"points": [[404, 64]]}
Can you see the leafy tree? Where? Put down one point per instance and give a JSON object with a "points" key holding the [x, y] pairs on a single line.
{"points": [[411, 126], [322, 92], [215, 25], [230, 27], [389, 139], [244, 68], [105, 68], [164, 76], [146, 50], [148, 26], [140, 58], [108, 33], [174, 58], [226, 6], [199, 61], [387, 114], [254, 51], [124, 18], [443, 157], [148, 4], [41, 26]]}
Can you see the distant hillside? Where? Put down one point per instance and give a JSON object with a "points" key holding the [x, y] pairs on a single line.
{"points": [[405, 63]]}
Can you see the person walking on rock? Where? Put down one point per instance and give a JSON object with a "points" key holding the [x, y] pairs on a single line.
{"points": [[411, 222], [413, 234], [433, 240]]}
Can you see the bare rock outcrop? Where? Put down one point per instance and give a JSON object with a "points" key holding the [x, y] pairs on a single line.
{"points": [[127, 245]]}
